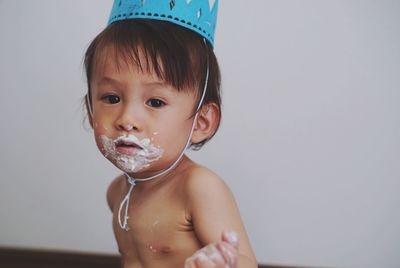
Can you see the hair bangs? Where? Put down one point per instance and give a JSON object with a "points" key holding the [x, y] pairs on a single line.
{"points": [[151, 50]]}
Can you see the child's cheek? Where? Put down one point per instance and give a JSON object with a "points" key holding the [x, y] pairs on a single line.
{"points": [[99, 127], [99, 143], [99, 130], [153, 137]]}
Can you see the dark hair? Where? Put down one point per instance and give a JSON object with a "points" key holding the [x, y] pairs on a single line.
{"points": [[177, 55]]}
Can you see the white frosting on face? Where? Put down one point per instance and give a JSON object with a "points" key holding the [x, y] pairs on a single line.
{"points": [[147, 153]]}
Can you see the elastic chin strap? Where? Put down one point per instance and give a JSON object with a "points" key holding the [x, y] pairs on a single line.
{"points": [[125, 202], [89, 105]]}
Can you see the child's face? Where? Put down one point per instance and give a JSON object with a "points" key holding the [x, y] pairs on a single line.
{"points": [[141, 124]]}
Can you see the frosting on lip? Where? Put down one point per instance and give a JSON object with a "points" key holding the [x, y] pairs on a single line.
{"points": [[127, 144], [129, 140], [143, 152]]}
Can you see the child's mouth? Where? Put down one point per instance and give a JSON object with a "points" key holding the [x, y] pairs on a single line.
{"points": [[129, 153], [127, 147]]}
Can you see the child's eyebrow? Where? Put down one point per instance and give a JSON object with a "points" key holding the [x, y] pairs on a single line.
{"points": [[105, 80], [108, 81], [154, 84]]}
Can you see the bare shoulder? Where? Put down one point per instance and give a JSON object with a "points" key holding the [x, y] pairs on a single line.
{"points": [[114, 190], [204, 186]]}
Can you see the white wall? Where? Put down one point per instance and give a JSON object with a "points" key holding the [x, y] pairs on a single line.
{"points": [[309, 142]]}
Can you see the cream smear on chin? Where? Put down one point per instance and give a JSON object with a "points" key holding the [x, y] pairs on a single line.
{"points": [[146, 154]]}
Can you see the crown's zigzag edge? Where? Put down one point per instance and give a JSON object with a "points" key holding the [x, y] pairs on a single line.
{"points": [[183, 13]]}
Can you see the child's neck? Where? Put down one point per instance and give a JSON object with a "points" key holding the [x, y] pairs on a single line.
{"points": [[142, 181]]}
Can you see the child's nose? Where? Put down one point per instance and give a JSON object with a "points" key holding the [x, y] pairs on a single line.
{"points": [[129, 120], [127, 127]]}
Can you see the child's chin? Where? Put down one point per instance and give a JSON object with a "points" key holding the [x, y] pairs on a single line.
{"points": [[130, 169], [137, 167]]}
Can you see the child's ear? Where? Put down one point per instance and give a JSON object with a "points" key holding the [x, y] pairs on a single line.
{"points": [[207, 122]]}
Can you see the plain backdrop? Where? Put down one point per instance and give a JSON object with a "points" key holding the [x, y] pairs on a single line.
{"points": [[309, 142]]}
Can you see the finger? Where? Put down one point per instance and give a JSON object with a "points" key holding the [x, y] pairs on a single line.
{"points": [[228, 252], [200, 259], [189, 263], [214, 255], [231, 238], [203, 261]]}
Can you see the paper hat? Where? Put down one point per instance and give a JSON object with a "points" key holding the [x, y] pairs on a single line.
{"points": [[199, 16]]}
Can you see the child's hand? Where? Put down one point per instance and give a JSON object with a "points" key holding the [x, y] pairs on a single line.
{"points": [[222, 254]]}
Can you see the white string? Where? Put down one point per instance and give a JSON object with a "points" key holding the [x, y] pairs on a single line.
{"points": [[125, 202], [89, 105], [124, 225]]}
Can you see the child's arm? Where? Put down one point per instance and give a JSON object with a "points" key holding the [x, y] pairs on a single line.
{"points": [[221, 254], [213, 210]]}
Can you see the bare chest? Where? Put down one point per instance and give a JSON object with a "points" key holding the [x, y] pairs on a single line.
{"points": [[159, 230]]}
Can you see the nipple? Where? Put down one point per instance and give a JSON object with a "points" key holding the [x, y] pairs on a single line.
{"points": [[159, 249], [153, 249]]}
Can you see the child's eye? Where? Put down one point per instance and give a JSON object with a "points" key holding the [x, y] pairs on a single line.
{"points": [[155, 103], [111, 99]]}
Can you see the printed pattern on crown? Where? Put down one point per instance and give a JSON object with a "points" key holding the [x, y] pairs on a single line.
{"points": [[199, 16]]}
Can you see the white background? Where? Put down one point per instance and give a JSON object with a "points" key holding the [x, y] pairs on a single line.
{"points": [[309, 142]]}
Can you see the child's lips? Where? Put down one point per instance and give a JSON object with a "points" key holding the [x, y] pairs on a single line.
{"points": [[127, 148]]}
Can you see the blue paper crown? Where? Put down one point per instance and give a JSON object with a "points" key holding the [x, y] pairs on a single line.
{"points": [[196, 15]]}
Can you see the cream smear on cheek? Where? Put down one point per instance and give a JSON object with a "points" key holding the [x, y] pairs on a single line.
{"points": [[131, 163]]}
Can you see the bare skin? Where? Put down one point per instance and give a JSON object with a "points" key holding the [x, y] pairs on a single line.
{"points": [[176, 215], [177, 219]]}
